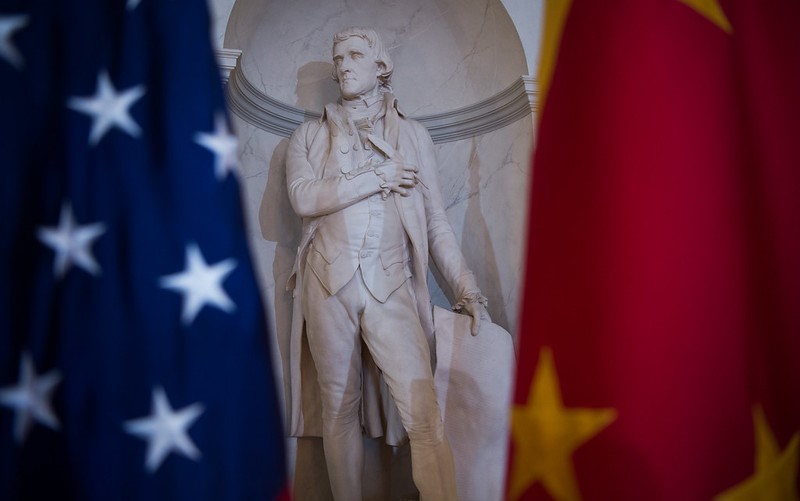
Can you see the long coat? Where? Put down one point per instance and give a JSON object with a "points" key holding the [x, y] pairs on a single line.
{"points": [[317, 151]]}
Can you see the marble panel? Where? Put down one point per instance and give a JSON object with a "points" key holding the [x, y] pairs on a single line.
{"points": [[219, 13], [484, 182], [526, 15]]}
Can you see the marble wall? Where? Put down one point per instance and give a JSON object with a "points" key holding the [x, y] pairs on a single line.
{"points": [[477, 52]]}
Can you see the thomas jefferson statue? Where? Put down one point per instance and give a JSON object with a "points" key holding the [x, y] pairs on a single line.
{"points": [[363, 178]]}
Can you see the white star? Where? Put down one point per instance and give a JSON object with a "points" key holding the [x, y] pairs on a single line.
{"points": [[165, 430], [222, 144], [132, 4], [108, 108], [71, 242], [8, 51], [200, 284], [30, 398]]}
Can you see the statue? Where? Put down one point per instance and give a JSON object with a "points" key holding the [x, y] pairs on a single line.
{"points": [[363, 178]]}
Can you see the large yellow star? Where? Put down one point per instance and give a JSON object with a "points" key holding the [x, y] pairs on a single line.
{"points": [[775, 478], [545, 434], [711, 10]]}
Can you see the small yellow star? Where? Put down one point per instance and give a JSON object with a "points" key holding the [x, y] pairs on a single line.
{"points": [[711, 10], [775, 477], [545, 434]]}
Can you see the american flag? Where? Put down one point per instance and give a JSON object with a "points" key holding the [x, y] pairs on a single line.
{"points": [[134, 355]]}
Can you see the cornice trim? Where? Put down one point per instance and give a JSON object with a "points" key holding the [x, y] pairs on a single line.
{"points": [[504, 108], [227, 60]]}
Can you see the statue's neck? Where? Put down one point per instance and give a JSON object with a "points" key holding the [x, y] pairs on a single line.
{"points": [[366, 99], [367, 105]]}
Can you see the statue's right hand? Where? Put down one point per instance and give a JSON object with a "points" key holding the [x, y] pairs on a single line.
{"points": [[398, 175]]}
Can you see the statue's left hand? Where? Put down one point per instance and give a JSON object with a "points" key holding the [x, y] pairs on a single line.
{"points": [[476, 310]]}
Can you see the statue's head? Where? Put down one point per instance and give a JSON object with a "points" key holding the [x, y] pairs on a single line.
{"points": [[360, 62]]}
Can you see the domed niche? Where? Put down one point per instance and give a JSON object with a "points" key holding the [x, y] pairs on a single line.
{"points": [[447, 53]]}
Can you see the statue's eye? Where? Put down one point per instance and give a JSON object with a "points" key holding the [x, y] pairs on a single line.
{"points": [[357, 55]]}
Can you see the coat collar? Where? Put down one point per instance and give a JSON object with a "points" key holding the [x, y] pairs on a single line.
{"points": [[334, 112]]}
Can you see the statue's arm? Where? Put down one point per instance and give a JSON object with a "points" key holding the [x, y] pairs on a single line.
{"points": [[442, 244], [311, 195]]}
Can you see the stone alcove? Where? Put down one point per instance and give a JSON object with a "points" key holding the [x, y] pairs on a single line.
{"points": [[455, 60], [458, 68]]}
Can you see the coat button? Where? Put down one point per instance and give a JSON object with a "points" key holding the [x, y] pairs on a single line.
{"points": [[344, 148]]}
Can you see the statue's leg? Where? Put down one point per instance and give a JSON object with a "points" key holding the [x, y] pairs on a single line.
{"points": [[394, 336], [335, 343]]}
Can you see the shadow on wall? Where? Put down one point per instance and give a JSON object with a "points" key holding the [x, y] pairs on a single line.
{"points": [[280, 224], [314, 80], [481, 258], [476, 244]]}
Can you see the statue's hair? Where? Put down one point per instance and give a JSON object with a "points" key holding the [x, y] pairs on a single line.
{"points": [[381, 55]]}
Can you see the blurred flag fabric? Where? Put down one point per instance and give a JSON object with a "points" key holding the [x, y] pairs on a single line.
{"points": [[134, 357], [660, 334]]}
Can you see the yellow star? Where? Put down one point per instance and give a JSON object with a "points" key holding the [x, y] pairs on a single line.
{"points": [[711, 10], [546, 433], [775, 478]]}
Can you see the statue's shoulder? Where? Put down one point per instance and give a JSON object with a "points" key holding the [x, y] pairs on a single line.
{"points": [[414, 124], [404, 120], [303, 128], [416, 128], [309, 129], [332, 113]]}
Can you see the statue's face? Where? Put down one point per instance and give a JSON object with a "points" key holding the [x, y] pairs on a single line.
{"points": [[355, 66]]}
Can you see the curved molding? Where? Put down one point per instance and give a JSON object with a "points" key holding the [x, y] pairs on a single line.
{"points": [[504, 108]]}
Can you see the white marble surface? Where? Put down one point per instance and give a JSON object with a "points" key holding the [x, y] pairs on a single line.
{"points": [[525, 14], [484, 182], [219, 12]]}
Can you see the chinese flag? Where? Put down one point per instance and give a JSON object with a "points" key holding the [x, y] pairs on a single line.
{"points": [[660, 333]]}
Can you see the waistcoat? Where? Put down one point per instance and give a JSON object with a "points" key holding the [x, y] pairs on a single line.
{"points": [[367, 234]]}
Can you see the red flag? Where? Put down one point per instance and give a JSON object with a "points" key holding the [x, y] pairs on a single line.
{"points": [[660, 333]]}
